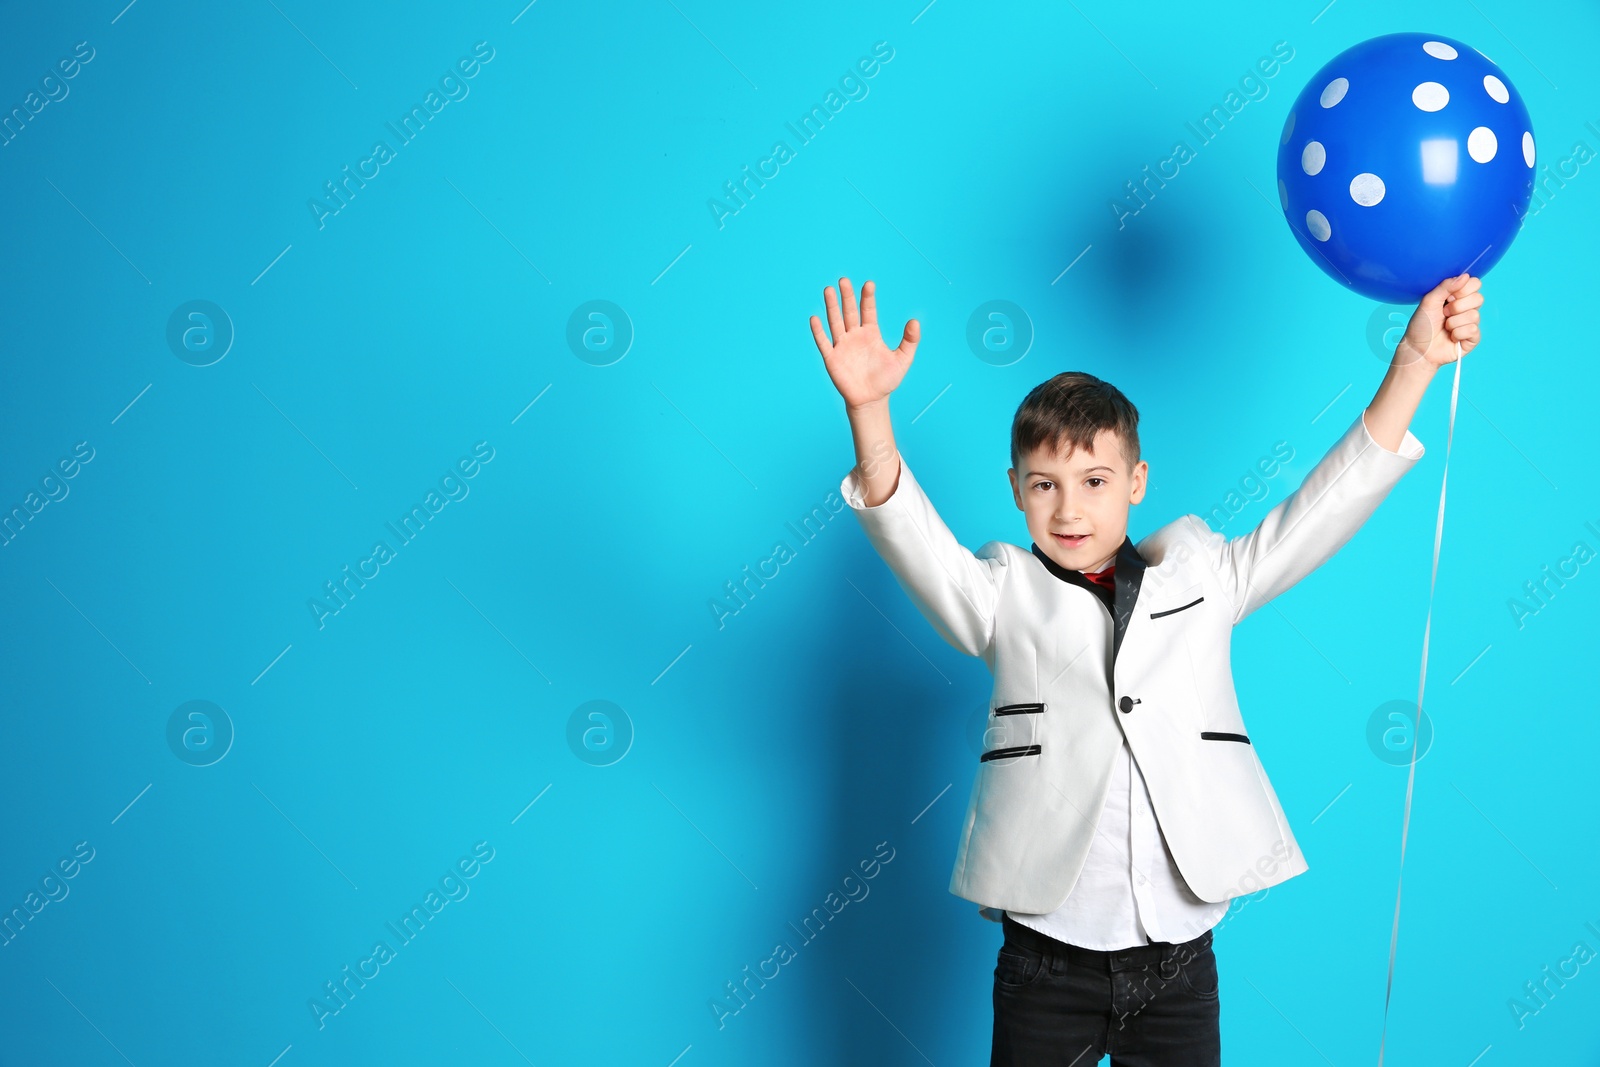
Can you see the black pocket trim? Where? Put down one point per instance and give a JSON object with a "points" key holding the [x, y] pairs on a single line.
{"points": [[1019, 709], [1214, 735], [1002, 753], [1170, 611]]}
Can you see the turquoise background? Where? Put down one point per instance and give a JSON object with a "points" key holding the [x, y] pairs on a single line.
{"points": [[447, 703]]}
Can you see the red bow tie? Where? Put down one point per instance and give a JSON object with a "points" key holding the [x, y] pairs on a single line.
{"points": [[1106, 577]]}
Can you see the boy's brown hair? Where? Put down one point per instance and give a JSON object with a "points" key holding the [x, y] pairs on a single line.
{"points": [[1071, 408]]}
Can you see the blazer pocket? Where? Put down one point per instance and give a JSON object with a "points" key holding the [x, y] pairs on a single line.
{"points": [[1006, 753], [1174, 611], [1218, 735], [1019, 709]]}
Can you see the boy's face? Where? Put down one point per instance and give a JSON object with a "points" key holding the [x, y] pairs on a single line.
{"points": [[1082, 493]]}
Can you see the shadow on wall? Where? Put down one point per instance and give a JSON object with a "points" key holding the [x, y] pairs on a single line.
{"points": [[898, 716]]}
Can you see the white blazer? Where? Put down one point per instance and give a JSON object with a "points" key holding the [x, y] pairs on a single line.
{"points": [[1072, 679]]}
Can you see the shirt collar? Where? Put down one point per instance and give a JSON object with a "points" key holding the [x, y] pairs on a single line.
{"points": [[1127, 560]]}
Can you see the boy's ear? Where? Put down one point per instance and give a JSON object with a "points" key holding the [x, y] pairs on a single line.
{"points": [[1016, 494], [1140, 478]]}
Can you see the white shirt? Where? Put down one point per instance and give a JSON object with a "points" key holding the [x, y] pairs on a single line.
{"points": [[1130, 892]]}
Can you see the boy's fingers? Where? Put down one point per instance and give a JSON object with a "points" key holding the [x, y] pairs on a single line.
{"points": [[1465, 303], [848, 296], [835, 323], [1460, 320], [822, 339], [869, 303], [1434, 298], [909, 339]]}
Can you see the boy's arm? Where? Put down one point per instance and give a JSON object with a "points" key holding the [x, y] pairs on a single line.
{"points": [[1346, 486], [1307, 527], [1444, 317], [955, 590]]}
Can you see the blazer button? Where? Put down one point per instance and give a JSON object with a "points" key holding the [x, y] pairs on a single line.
{"points": [[1127, 703]]}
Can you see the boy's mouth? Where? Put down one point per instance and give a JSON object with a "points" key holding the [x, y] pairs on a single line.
{"points": [[1070, 540]]}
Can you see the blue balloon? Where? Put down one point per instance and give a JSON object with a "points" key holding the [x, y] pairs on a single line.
{"points": [[1407, 160]]}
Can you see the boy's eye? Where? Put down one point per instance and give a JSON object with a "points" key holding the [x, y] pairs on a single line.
{"points": [[1100, 480], [1042, 485]]}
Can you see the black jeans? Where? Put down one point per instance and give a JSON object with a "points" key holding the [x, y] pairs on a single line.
{"points": [[1060, 1005]]}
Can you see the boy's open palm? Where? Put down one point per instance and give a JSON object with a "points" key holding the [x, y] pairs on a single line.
{"points": [[863, 368]]}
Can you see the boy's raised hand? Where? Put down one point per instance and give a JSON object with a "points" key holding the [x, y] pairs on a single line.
{"points": [[1446, 314], [863, 368]]}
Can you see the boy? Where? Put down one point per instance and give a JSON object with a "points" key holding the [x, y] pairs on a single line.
{"points": [[1118, 804]]}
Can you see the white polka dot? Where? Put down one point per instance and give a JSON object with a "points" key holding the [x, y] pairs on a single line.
{"points": [[1366, 189], [1317, 223], [1283, 194], [1430, 96], [1481, 144], [1335, 91], [1439, 50], [1288, 128], [1496, 88], [1313, 157], [1527, 147]]}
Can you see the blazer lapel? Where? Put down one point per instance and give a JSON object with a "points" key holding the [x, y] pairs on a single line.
{"points": [[1128, 577]]}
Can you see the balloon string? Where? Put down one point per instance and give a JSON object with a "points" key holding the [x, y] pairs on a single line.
{"points": [[1416, 732]]}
